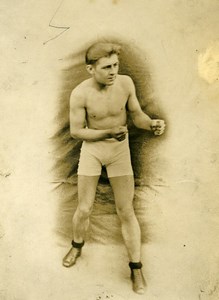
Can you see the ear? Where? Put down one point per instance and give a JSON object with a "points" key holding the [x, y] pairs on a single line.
{"points": [[90, 69]]}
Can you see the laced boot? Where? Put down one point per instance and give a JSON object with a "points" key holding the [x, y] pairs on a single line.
{"points": [[138, 281], [71, 257]]}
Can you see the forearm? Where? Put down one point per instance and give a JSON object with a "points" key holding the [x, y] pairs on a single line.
{"points": [[88, 134], [142, 121]]}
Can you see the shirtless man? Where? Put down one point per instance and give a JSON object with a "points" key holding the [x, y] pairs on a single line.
{"points": [[98, 116]]}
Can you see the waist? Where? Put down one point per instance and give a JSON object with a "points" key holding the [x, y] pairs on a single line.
{"points": [[109, 140]]}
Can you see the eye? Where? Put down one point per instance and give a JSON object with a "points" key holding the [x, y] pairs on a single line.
{"points": [[107, 67]]}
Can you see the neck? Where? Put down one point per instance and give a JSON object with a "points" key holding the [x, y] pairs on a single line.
{"points": [[102, 87]]}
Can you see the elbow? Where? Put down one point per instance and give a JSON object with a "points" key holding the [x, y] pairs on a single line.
{"points": [[74, 134], [74, 137], [137, 122]]}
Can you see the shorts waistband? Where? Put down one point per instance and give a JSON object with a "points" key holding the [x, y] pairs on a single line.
{"points": [[114, 139]]}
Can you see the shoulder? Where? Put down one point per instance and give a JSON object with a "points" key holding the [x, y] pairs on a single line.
{"points": [[79, 92], [126, 81], [81, 89], [125, 78], [127, 84]]}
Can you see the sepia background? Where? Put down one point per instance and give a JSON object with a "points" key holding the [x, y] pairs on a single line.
{"points": [[174, 58]]}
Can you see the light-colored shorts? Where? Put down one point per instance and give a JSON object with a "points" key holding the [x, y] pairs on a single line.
{"points": [[112, 154]]}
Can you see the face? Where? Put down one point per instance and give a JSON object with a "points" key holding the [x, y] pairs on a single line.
{"points": [[106, 69]]}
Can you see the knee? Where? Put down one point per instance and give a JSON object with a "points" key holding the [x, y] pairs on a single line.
{"points": [[83, 212], [125, 213]]}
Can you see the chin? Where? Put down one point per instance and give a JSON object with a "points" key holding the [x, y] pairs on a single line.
{"points": [[111, 83]]}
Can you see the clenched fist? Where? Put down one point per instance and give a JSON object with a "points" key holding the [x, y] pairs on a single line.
{"points": [[119, 132], [158, 126]]}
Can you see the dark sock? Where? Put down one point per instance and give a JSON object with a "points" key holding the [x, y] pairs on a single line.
{"points": [[77, 245], [134, 265]]}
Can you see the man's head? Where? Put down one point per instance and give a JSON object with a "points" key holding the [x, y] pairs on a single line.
{"points": [[99, 50], [103, 63]]}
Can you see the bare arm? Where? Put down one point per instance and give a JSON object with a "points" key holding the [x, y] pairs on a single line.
{"points": [[141, 119], [78, 129]]}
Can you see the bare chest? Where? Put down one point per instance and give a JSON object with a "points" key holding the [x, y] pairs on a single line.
{"points": [[103, 105]]}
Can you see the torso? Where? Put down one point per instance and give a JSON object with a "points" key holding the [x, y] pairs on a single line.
{"points": [[106, 108]]}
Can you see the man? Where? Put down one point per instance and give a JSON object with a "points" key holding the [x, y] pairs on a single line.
{"points": [[98, 116]]}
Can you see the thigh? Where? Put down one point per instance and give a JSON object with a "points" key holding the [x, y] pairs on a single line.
{"points": [[120, 162], [89, 164], [87, 186], [123, 189]]}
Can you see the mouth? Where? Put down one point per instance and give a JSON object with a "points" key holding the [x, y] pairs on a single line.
{"points": [[112, 78]]}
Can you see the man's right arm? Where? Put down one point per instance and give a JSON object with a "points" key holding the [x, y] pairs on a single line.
{"points": [[78, 129]]}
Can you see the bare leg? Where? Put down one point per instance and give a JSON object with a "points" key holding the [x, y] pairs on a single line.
{"points": [[123, 188], [86, 195]]}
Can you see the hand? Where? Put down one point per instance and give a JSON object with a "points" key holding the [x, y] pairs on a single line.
{"points": [[158, 127], [119, 132]]}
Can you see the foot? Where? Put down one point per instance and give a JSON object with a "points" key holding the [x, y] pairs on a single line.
{"points": [[71, 257], [138, 281]]}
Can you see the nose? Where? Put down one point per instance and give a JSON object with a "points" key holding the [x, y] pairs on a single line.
{"points": [[113, 70]]}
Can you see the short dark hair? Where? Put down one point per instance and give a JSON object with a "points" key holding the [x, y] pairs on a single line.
{"points": [[98, 50]]}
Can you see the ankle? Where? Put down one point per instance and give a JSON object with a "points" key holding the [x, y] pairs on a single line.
{"points": [[135, 265], [77, 245], [137, 277]]}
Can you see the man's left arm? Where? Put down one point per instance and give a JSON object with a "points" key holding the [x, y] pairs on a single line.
{"points": [[141, 119]]}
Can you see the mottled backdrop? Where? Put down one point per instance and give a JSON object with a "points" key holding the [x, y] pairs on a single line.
{"points": [[174, 51]]}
